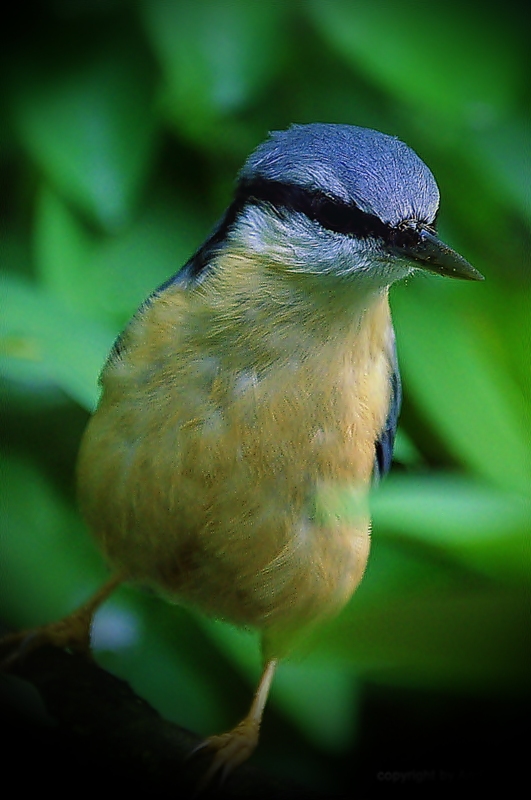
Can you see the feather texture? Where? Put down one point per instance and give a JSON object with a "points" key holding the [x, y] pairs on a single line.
{"points": [[229, 460]]}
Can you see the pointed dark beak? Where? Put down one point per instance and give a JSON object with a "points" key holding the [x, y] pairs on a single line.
{"points": [[430, 253]]}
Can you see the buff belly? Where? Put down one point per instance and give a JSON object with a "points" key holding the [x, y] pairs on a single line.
{"points": [[231, 480], [218, 513]]}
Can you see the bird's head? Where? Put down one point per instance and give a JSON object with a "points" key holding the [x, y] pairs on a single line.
{"points": [[341, 200]]}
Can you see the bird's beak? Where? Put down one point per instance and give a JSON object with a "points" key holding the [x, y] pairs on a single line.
{"points": [[430, 253]]}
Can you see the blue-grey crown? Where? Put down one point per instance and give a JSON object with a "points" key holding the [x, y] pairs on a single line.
{"points": [[377, 173]]}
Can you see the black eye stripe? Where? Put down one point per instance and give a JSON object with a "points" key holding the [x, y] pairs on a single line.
{"points": [[330, 212]]}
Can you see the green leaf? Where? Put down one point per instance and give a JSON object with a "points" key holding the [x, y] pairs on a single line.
{"points": [[90, 128], [413, 621], [161, 651], [405, 449], [43, 341], [499, 150], [62, 249], [108, 276], [485, 529], [320, 698], [215, 56], [458, 382], [49, 565], [454, 66], [127, 268]]}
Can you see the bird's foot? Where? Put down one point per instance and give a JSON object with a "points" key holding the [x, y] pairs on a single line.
{"points": [[71, 632], [230, 750]]}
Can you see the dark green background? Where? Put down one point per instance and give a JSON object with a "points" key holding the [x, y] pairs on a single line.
{"points": [[123, 125]]}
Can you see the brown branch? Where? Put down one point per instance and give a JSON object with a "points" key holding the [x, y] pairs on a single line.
{"points": [[70, 721]]}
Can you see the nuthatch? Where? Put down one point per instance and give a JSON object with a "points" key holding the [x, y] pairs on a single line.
{"points": [[257, 386]]}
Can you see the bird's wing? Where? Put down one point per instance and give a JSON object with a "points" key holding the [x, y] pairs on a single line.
{"points": [[385, 443], [199, 263]]}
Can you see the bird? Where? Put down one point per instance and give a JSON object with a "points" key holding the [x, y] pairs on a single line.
{"points": [[252, 401]]}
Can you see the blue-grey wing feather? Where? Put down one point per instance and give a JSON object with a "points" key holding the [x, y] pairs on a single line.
{"points": [[384, 446]]}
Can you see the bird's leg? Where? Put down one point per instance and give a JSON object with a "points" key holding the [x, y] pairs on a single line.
{"points": [[72, 631], [235, 747]]}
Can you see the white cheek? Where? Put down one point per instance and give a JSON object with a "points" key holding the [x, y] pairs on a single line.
{"points": [[302, 246]]}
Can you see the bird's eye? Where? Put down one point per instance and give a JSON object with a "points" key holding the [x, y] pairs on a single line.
{"points": [[404, 235], [409, 232]]}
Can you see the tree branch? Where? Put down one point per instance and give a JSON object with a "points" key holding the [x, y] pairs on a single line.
{"points": [[68, 718]]}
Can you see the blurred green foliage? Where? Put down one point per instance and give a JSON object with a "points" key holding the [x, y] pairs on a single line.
{"points": [[123, 126]]}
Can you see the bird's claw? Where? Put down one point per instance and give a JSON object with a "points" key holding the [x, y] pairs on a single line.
{"points": [[17, 646], [230, 750], [71, 632]]}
